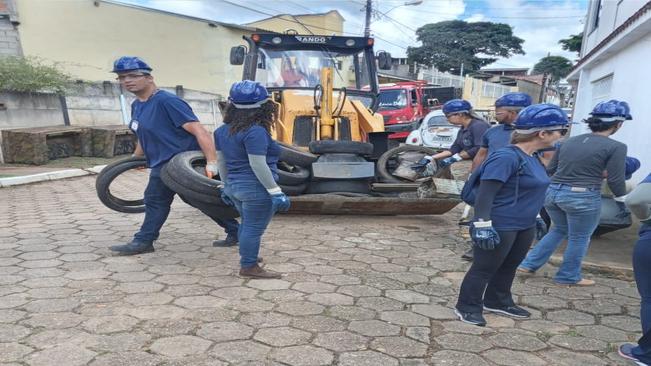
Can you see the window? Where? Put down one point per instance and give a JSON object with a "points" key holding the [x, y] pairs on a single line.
{"points": [[601, 89], [596, 13]]}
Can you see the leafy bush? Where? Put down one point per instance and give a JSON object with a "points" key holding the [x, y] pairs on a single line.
{"points": [[28, 74]]}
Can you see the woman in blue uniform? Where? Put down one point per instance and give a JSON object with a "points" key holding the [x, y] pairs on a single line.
{"points": [[247, 156], [510, 195], [639, 202]]}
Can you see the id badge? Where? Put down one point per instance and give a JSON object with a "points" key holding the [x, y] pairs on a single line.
{"points": [[133, 125]]}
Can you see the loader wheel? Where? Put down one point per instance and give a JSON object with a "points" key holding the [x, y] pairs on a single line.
{"points": [[344, 147], [294, 156], [106, 177], [389, 158], [295, 190], [291, 175]]}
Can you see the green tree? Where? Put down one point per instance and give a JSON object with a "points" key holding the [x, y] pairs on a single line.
{"points": [[23, 74], [557, 67], [448, 44], [572, 43]]}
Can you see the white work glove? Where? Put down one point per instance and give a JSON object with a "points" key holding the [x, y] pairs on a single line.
{"points": [[211, 169]]}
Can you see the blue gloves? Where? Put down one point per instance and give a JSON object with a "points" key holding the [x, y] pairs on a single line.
{"points": [[541, 227], [483, 235], [422, 164], [279, 200], [450, 160], [227, 200]]}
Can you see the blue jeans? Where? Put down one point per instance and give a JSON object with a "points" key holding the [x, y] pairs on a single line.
{"points": [[641, 260], [158, 200], [575, 216], [254, 205]]}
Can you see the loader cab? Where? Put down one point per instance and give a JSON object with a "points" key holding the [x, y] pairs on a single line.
{"points": [[292, 61]]}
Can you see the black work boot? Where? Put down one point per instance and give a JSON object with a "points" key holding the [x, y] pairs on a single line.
{"points": [[230, 241], [469, 255], [134, 247]]}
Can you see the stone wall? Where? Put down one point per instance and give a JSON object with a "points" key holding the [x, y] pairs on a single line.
{"points": [[9, 38]]}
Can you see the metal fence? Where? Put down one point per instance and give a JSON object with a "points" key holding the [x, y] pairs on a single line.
{"points": [[443, 78]]}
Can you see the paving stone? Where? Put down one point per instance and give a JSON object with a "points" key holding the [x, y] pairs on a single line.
{"points": [[110, 324], [132, 358], [13, 300], [341, 280], [341, 341], [87, 275], [421, 334], [603, 333], [434, 311], [303, 356], [52, 305], [13, 332], [546, 326], [543, 302], [399, 347], [359, 290], [198, 302], [139, 287], [249, 305], [279, 296], [598, 306], [566, 358], [13, 352], [224, 331], [313, 287], [68, 355], [282, 336], [407, 296], [236, 292], [268, 284], [132, 341], [156, 298], [456, 358], [265, 319], [622, 322], [373, 328], [318, 323], [331, 299], [404, 318], [180, 346], [54, 320], [300, 308], [456, 326], [239, 352], [351, 313], [575, 343], [571, 317], [517, 342], [366, 358], [132, 276], [157, 312], [509, 357], [379, 303], [462, 342]]}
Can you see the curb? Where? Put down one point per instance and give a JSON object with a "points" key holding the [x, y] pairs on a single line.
{"points": [[42, 177]]}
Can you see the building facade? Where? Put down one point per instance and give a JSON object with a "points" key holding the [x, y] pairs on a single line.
{"points": [[616, 46]]}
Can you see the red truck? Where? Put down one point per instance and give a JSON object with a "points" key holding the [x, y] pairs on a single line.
{"points": [[404, 105]]}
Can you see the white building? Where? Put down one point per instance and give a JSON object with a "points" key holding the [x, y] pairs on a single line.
{"points": [[614, 64]]}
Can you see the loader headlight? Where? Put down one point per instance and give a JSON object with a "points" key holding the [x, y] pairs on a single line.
{"points": [[276, 40], [350, 42]]}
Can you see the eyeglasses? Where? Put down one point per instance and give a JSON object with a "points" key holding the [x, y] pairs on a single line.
{"points": [[129, 77], [562, 131], [452, 115]]}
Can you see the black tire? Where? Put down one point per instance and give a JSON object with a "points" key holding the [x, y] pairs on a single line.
{"points": [[346, 147], [296, 190], [293, 156], [106, 177], [211, 210], [382, 169], [179, 175], [291, 175], [337, 186]]}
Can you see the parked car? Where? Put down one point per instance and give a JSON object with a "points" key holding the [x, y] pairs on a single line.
{"points": [[435, 132]]}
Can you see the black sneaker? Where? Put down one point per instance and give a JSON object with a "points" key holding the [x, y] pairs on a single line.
{"points": [[512, 311], [471, 318], [134, 247], [230, 241]]}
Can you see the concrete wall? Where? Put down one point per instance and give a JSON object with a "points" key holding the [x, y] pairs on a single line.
{"points": [[9, 39], [19, 110], [627, 81], [86, 38]]}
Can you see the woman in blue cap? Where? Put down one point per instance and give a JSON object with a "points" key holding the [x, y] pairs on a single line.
{"points": [[573, 200], [512, 185], [458, 112], [247, 156], [639, 202]]}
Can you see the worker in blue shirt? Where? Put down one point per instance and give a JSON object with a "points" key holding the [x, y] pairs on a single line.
{"points": [[511, 192], [458, 112], [165, 126], [247, 157]]}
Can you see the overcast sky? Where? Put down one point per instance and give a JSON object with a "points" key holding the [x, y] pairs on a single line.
{"points": [[541, 23]]}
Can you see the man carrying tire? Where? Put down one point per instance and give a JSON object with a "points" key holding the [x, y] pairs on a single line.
{"points": [[165, 126]]}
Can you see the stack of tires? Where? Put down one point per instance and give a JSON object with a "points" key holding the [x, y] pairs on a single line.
{"points": [[352, 154], [294, 169]]}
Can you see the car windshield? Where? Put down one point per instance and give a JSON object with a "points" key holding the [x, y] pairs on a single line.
{"points": [[392, 99], [438, 121], [302, 68]]}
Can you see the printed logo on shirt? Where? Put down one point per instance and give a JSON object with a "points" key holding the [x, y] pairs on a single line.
{"points": [[467, 141], [133, 125]]}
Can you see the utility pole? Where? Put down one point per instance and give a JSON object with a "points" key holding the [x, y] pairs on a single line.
{"points": [[461, 70], [367, 25], [543, 89]]}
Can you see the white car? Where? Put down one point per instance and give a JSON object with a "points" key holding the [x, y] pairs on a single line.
{"points": [[435, 131]]}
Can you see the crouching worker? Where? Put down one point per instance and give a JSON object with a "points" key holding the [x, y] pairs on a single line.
{"points": [[165, 126], [512, 185], [247, 157]]}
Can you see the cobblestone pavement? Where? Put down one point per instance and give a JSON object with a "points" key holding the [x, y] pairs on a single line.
{"points": [[357, 291]]}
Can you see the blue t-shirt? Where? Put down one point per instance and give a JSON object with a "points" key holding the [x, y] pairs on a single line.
{"points": [[531, 182], [236, 149], [496, 137], [158, 124]]}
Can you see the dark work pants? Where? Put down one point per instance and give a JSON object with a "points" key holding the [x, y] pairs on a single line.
{"points": [[158, 200], [642, 270], [489, 279]]}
